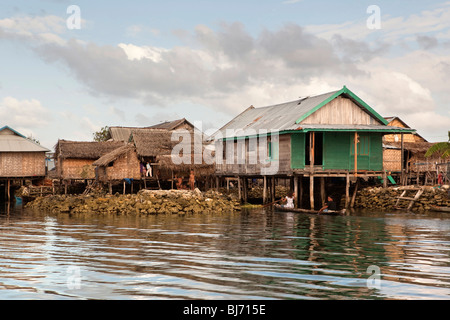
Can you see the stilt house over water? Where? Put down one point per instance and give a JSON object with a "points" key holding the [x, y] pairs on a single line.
{"points": [[152, 146], [74, 159], [330, 135], [404, 156], [20, 158]]}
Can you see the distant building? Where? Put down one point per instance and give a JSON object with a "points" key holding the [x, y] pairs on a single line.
{"points": [[20, 157]]}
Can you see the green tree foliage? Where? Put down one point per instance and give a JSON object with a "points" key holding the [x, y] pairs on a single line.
{"points": [[442, 148], [102, 135]]}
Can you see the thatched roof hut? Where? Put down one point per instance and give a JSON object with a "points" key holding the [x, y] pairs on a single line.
{"points": [[121, 163], [162, 145], [73, 159]]}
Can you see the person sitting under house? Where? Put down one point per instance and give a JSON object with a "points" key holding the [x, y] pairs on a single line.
{"points": [[330, 205], [289, 199]]}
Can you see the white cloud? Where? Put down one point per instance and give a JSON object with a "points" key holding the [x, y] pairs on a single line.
{"points": [[23, 113]]}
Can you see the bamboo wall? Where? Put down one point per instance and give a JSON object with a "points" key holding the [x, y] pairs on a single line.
{"points": [[76, 169], [125, 167], [407, 137], [392, 159], [22, 164]]}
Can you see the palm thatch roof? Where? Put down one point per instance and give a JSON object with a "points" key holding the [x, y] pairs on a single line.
{"points": [[161, 143], [85, 149], [112, 156], [414, 147]]}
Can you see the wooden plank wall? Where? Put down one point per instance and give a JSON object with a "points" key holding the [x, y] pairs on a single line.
{"points": [[340, 111]]}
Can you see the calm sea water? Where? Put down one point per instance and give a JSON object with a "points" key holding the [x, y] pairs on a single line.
{"points": [[253, 254]]}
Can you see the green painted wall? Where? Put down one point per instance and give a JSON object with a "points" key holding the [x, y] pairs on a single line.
{"points": [[298, 150], [338, 153]]}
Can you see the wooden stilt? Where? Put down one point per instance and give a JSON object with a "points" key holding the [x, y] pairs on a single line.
{"points": [[124, 186], [311, 191], [239, 189], [110, 187], [322, 190], [296, 191], [300, 197], [217, 184], [352, 204], [264, 190], [9, 189], [347, 190], [272, 186], [245, 189]]}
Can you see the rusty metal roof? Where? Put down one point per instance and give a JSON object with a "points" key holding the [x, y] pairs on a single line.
{"points": [[287, 116]]}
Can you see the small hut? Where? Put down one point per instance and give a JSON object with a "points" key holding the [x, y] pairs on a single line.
{"points": [[405, 152], [156, 147], [20, 158], [74, 159], [124, 133]]}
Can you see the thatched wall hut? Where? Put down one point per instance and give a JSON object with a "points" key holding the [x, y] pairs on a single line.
{"points": [[121, 163], [20, 157], [169, 153], [74, 159], [413, 146]]}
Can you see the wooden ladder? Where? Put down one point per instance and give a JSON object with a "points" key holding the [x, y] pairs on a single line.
{"points": [[410, 199]]}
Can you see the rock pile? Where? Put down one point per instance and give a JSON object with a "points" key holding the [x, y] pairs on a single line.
{"points": [[385, 198], [145, 202]]}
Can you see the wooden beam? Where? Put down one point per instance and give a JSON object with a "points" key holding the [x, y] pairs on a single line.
{"points": [[347, 190], [264, 189], [352, 204], [239, 189], [356, 153], [296, 190], [311, 191], [322, 189]]}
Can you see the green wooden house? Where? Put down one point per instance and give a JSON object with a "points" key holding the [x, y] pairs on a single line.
{"points": [[327, 135]]}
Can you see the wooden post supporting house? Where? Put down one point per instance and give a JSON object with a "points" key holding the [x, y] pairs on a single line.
{"points": [[296, 191], [264, 189], [239, 188], [272, 187], [322, 190], [347, 190], [311, 167], [356, 153]]}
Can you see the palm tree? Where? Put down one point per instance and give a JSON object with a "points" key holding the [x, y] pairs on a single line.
{"points": [[440, 147]]}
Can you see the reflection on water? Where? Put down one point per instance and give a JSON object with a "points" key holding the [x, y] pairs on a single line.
{"points": [[256, 254]]}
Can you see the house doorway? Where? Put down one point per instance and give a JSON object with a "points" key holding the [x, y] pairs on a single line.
{"points": [[314, 139]]}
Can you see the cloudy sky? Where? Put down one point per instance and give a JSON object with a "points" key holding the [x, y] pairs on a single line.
{"points": [[137, 63]]}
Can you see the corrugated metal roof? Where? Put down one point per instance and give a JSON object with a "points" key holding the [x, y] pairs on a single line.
{"points": [[15, 143], [283, 117], [279, 117], [120, 133]]}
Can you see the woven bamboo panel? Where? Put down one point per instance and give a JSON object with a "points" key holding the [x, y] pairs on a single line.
{"points": [[392, 160], [22, 164]]}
